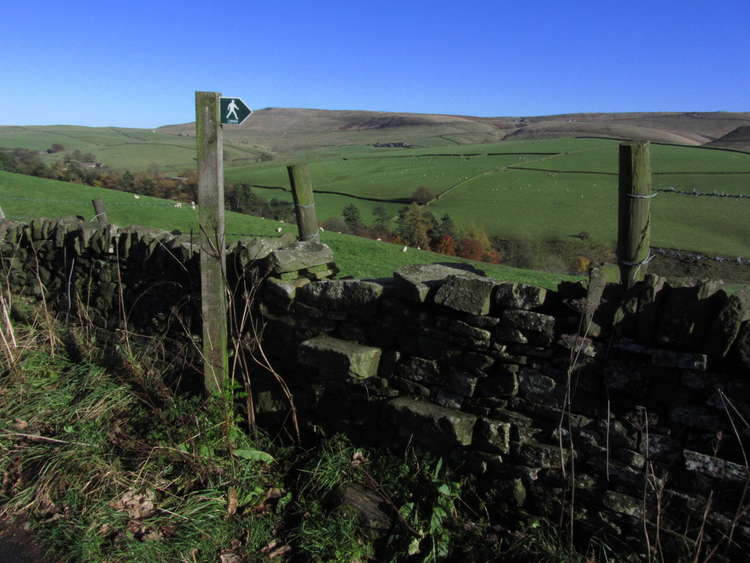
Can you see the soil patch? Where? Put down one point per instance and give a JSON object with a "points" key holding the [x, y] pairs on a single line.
{"points": [[20, 545]]}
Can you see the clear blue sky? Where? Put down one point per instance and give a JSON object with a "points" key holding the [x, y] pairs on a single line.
{"points": [[138, 63]]}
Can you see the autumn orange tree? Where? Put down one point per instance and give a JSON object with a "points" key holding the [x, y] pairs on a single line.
{"points": [[445, 244]]}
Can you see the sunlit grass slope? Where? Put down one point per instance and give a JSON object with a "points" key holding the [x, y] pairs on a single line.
{"points": [[537, 189], [24, 197], [120, 148]]}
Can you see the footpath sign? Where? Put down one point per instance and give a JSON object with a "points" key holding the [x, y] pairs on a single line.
{"points": [[211, 112], [234, 111]]}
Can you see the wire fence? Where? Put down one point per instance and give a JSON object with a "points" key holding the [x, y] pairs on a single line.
{"points": [[136, 202], [697, 193], [192, 206]]}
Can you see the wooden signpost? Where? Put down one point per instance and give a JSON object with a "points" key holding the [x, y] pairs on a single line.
{"points": [[211, 111], [209, 140]]}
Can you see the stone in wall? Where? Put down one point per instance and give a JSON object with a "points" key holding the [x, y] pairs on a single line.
{"points": [[525, 327], [679, 360], [519, 296], [715, 467], [603, 297], [419, 282], [642, 309], [688, 313], [492, 435], [298, 256], [258, 248], [727, 325], [341, 295], [467, 295], [435, 427], [332, 356], [742, 346], [421, 370], [284, 292]]}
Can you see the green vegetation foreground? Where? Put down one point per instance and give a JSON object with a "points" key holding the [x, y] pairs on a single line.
{"points": [[108, 463]]}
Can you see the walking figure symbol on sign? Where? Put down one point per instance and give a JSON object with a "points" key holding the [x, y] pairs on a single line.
{"points": [[232, 110]]}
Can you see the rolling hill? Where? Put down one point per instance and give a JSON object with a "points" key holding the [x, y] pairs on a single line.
{"points": [[737, 139], [285, 130], [534, 189], [311, 134], [534, 178]]}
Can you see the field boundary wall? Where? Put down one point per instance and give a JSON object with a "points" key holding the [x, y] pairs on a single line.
{"points": [[625, 411]]}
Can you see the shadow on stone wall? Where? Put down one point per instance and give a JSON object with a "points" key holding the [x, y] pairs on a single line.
{"points": [[634, 404]]}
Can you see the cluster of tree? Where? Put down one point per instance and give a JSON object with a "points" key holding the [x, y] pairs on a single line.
{"points": [[71, 169], [182, 187], [242, 198], [414, 225]]}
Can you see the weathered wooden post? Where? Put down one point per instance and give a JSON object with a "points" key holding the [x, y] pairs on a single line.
{"points": [[304, 203], [209, 140], [100, 210], [633, 233]]}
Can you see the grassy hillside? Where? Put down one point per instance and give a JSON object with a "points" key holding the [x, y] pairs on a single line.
{"points": [[312, 134], [738, 139], [120, 148], [536, 189], [483, 169], [25, 197], [287, 130]]}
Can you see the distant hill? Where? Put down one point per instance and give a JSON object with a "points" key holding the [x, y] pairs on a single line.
{"points": [[287, 130], [738, 139], [284, 133]]}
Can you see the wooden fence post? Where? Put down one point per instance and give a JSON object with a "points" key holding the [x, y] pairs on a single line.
{"points": [[100, 210], [209, 140], [304, 203], [633, 233]]}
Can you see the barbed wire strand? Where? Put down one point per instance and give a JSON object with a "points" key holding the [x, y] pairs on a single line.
{"points": [[672, 190]]}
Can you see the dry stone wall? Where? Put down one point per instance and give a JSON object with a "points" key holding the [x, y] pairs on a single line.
{"points": [[629, 407], [142, 280], [634, 405]]}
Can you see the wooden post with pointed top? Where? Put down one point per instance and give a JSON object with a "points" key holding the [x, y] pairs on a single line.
{"points": [[634, 224], [304, 202], [209, 139]]}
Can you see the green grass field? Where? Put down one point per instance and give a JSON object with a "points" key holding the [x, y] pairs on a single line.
{"points": [[539, 196], [552, 188], [24, 197], [121, 149]]}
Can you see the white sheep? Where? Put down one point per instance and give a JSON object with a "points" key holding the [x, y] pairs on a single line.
{"points": [[178, 204], [404, 249], [278, 229], [136, 196]]}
